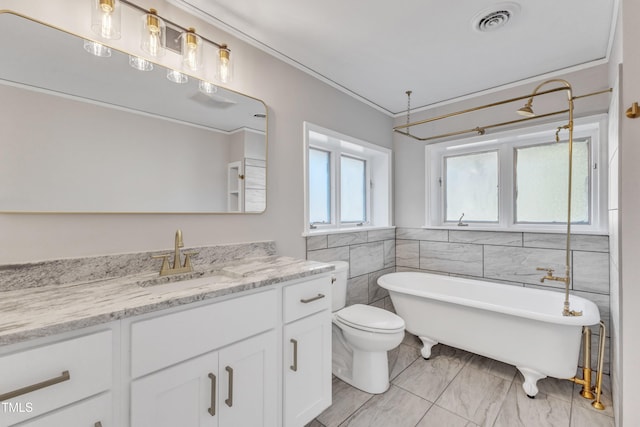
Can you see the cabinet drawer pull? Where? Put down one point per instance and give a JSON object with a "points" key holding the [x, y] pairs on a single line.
{"points": [[212, 409], [229, 401], [294, 367], [308, 300], [65, 376]]}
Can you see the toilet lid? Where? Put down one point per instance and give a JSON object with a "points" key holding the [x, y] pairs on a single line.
{"points": [[368, 318]]}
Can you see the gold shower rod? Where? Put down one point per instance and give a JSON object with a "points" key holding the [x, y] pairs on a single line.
{"points": [[480, 130]]}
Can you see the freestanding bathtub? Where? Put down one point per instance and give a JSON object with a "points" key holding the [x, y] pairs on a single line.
{"points": [[515, 325]]}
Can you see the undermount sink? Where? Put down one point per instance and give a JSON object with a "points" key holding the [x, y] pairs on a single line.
{"points": [[153, 279]]}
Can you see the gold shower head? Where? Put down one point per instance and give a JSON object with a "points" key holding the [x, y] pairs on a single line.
{"points": [[526, 111]]}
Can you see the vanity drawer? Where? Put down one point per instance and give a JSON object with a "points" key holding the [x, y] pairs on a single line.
{"points": [[94, 412], [303, 299], [54, 375], [165, 340]]}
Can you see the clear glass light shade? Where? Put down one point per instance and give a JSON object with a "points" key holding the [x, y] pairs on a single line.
{"points": [[97, 49], [191, 50], [105, 18], [207, 88], [224, 66], [140, 64], [153, 34], [177, 77]]}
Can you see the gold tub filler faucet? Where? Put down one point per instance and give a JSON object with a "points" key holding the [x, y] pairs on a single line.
{"points": [[176, 268], [550, 276]]}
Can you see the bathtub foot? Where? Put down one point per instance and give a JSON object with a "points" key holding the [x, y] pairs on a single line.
{"points": [[531, 378], [427, 343]]}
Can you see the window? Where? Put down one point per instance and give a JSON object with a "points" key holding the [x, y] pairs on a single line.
{"points": [[542, 179], [353, 190], [471, 187], [519, 180], [347, 182], [320, 182]]}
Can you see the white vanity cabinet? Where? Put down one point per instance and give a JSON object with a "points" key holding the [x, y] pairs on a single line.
{"points": [[255, 358], [214, 365], [64, 383], [306, 350]]}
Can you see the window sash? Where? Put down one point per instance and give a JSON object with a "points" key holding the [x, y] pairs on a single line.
{"points": [[320, 208], [560, 203], [349, 192], [473, 213]]}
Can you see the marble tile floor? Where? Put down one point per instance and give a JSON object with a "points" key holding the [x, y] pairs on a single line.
{"points": [[455, 388]]}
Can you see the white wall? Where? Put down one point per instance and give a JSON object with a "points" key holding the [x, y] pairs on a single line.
{"points": [[291, 97]]}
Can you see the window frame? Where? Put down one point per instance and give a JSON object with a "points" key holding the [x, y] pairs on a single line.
{"points": [[378, 184], [444, 202], [331, 181], [367, 189], [593, 127]]}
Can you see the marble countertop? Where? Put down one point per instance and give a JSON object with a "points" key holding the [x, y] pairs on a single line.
{"points": [[46, 310]]}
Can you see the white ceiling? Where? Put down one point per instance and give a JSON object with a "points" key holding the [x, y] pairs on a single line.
{"points": [[378, 49]]}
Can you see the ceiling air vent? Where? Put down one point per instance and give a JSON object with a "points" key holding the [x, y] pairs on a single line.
{"points": [[494, 20], [495, 17]]}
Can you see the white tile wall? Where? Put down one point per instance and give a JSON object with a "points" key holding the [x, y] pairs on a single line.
{"points": [[504, 257]]}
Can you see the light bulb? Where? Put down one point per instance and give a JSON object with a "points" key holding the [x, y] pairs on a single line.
{"points": [[191, 50], [154, 44], [191, 57], [105, 18], [224, 69], [107, 24], [153, 34]]}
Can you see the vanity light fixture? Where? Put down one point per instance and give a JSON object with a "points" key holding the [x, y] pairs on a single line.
{"points": [[224, 66], [153, 35], [97, 49], [207, 88], [105, 21], [177, 77], [105, 18], [140, 63], [191, 49]]}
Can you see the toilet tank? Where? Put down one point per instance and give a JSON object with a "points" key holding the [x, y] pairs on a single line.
{"points": [[339, 285]]}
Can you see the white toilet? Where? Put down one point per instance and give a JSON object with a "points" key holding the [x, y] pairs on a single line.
{"points": [[362, 335]]}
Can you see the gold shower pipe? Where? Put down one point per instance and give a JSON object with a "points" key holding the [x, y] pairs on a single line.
{"points": [[481, 129]]}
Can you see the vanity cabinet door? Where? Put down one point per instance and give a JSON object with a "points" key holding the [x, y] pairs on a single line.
{"points": [[248, 382], [183, 395], [307, 368], [233, 387]]}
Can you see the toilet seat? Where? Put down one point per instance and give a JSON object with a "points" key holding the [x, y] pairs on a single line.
{"points": [[370, 319]]}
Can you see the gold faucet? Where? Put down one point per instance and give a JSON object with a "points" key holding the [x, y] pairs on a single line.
{"points": [[165, 270], [550, 276]]}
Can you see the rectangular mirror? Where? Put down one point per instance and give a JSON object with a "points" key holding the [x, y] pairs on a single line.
{"points": [[83, 133]]}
